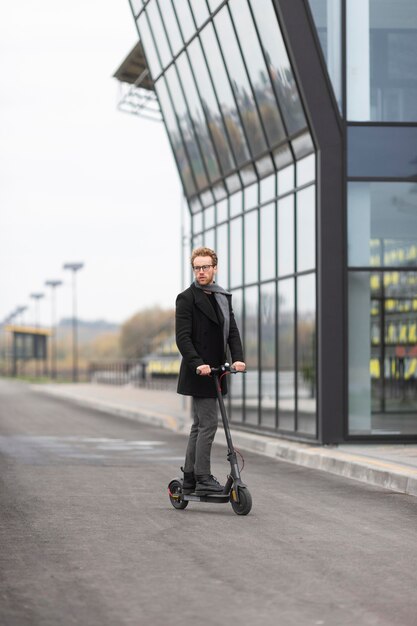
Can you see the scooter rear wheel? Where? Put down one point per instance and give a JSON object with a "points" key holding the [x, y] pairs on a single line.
{"points": [[174, 492], [245, 502]]}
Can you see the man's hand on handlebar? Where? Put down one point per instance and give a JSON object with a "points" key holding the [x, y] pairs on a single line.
{"points": [[239, 366], [203, 370]]}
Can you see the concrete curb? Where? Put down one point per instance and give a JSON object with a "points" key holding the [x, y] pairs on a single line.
{"points": [[377, 472]]}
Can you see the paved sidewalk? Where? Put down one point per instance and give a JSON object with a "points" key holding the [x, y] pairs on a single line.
{"points": [[393, 466]]}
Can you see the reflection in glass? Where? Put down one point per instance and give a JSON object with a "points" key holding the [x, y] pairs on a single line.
{"points": [[306, 354], [185, 19], [236, 383], [306, 229], [222, 249], [268, 365], [264, 166], [236, 252], [279, 66], [267, 243], [197, 117], [382, 224], [381, 60], [233, 183], [328, 20], [258, 73], [176, 138], [152, 58], [282, 156], [186, 126], [251, 247], [286, 347], [171, 25], [211, 108], [382, 352], [159, 35], [224, 95], [240, 83], [285, 238], [251, 356], [302, 145]]}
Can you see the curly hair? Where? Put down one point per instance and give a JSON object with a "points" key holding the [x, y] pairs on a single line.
{"points": [[204, 252]]}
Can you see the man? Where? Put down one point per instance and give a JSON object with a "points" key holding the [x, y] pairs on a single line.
{"points": [[205, 326]]}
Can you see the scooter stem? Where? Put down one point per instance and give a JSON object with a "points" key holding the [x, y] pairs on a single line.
{"points": [[231, 455]]}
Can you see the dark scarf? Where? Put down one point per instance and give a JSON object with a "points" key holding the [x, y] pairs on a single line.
{"points": [[221, 298]]}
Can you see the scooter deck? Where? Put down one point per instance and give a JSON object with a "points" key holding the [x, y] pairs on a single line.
{"points": [[212, 497]]}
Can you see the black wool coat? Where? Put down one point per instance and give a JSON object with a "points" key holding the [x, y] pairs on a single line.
{"points": [[199, 336]]}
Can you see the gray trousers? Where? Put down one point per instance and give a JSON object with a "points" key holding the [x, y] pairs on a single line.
{"points": [[197, 456]]}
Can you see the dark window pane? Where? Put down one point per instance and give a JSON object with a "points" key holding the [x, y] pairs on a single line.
{"points": [[382, 224], [286, 347], [279, 65], [382, 152], [210, 106], [258, 72], [306, 354], [240, 82], [268, 365], [224, 95], [198, 118], [175, 136]]}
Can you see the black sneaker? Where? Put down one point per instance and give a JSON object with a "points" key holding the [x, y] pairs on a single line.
{"points": [[207, 484], [188, 484]]}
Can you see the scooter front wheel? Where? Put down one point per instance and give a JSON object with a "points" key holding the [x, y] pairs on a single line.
{"points": [[175, 492], [244, 505]]}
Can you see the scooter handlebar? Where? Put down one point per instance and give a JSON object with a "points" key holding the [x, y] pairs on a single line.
{"points": [[226, 368]]}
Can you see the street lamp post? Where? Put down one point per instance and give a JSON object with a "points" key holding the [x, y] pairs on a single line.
{"points": [[74, 267], [53, 284], [37, 297]]}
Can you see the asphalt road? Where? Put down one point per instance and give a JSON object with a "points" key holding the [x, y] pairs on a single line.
{"points": [[88, 536]]}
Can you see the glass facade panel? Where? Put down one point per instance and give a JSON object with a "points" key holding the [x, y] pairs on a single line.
{"points": [[197, 116], [240, 83], [306, 354], [186, 126], [211, 108], [258, 72], [235, 204], [185, 18], [382, 151], [236, 383], [136, 6], [251, 247], [198, 222], [158, 30], [306, 170], [236, 252], [213, 4], [267, 188], [222, 211], [306, 229], [251, 196], [267, 349], [382, 224], [267, 243], [285, 236], [251, 343], [328, 20], [209, 239], [279, 65], [286, 180], [145, 35], [222, 249], [225, 95], [176, 138], [171, 25], [200, 11], [381, 54], [286, 360], [382, 354], [209, 217]]}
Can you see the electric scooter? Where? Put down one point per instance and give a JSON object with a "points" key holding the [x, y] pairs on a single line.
{"points": [[235, 491]]}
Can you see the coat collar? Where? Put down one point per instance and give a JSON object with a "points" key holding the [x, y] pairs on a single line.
{"points": [[201, 301]]}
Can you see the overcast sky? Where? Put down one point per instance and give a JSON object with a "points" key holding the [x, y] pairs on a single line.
{"points": [[80, 181]]}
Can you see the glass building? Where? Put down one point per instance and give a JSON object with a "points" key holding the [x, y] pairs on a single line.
{"points": [[294, 129]]}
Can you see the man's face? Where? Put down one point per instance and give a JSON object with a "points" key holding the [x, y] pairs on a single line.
{"points": [[205, 272]]}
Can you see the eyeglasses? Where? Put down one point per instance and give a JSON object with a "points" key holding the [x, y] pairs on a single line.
{"points": [[204, 268]]}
